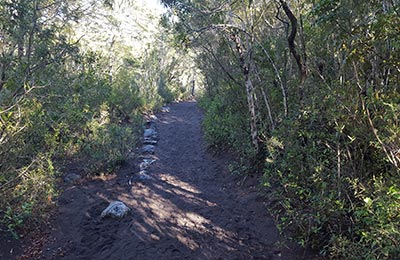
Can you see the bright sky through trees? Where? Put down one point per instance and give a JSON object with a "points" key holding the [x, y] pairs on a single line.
{"points": [[129, 24]]}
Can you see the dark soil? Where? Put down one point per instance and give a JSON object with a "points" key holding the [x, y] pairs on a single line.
{"points": [[192, 208]]}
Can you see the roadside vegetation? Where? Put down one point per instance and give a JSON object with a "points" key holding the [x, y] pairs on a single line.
{"points": [[307, 93], [65, 101]]}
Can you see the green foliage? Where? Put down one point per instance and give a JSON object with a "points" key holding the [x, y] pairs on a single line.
{"points": [[331, 164], [29, 192], [224, 125], [107, 146], [125, 98], [59, 104], [377, 223]]}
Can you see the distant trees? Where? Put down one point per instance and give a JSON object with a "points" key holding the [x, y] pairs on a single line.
{"points": [[318, 81]]}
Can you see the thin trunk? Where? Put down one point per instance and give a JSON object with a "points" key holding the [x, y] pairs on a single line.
{"points": [[283, 86], [292, 47], [251, 99], [266, 101], [30, 41], [2, 75], [268, 109], [253, 115]]}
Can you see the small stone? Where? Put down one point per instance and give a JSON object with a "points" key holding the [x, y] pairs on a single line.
{"points": [[150, 132], [72, 177], [148, 149], [143, 166], [144, 176], [146, 163], [165, 109], [149, 161], [116, 209], [150, 141]]}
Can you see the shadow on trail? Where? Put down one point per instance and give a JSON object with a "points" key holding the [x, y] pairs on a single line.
{"points": [[190, 209]]}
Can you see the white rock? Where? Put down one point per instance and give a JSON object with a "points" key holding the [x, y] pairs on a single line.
{"points": [[146, 163], [116, 209]]}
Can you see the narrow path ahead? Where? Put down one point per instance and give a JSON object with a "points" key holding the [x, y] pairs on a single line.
{"points": [[190, 209]]}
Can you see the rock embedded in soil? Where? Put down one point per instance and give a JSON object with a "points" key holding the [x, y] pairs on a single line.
{"points": [[146, 163], [165, 109], [142, 176], [150, 133], [150, 141], [116, 209], [148, 149], [72, 177]]}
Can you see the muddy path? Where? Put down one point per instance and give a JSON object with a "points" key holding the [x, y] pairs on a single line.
{"points": [[191, 208]]}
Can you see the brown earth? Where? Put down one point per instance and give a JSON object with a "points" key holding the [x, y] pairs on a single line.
{"points": [[192, 208]]}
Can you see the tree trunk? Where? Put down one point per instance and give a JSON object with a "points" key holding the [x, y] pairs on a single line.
{"points": [[253, 115], [251, 99], [292, 47]]}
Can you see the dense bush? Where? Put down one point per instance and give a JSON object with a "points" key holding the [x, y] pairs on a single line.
{"points": [[319, 107], [60, 104], [72, 116], [224, 124]]}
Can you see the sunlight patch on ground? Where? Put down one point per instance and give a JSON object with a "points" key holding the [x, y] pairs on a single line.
{"points": [[172, 180], [157, 213]]}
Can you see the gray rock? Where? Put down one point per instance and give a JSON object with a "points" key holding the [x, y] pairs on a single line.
{"points": [[142, 176], [149, 160], [72, 177], [150, 141], [150, 133], [146, 163], [143, 166], [165, 109], [116, 209], [148, 149], [148, 157]]}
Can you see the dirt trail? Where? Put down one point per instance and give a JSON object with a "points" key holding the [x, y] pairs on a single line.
{"points": [[191, 209]]}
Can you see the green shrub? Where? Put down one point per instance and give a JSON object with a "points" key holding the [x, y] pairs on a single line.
{"points": [[376, 223], [225, 125], [332, 185]]}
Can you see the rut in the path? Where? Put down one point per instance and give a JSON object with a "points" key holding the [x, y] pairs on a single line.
{"points": [[190, 209]]}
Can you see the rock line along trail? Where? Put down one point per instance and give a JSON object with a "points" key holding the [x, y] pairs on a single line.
{"points": [[190, 208]]}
